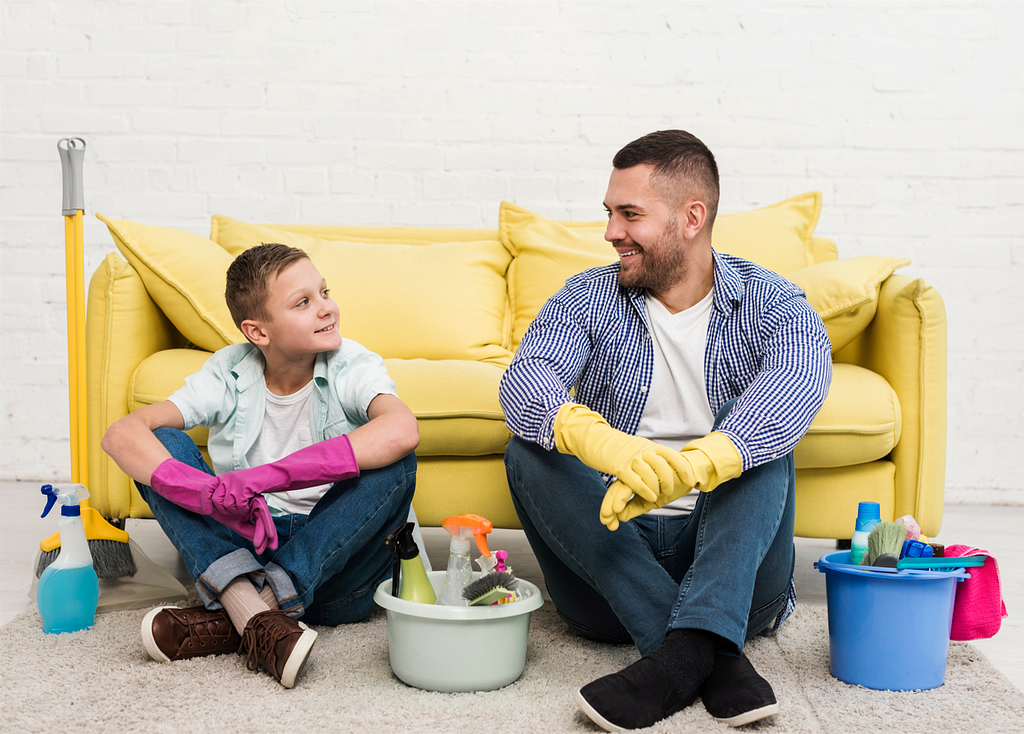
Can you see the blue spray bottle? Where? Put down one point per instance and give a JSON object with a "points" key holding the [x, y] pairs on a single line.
{"points": [[68, 591]]}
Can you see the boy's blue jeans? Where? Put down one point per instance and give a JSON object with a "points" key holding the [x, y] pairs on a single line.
{"points": [[327, 564], [725, 568]]}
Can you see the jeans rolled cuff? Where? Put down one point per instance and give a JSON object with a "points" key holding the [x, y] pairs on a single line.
{"points": [[222, 572], [281, 584]]}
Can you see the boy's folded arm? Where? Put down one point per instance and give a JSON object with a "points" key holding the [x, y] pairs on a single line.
{"points": [[133, 447], [391, 433]]}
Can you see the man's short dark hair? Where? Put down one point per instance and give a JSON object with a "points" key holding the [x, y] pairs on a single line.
{"points": [[248, 279], [681, 164]]}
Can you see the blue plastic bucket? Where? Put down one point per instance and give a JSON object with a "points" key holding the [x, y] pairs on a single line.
{"points": [[888, 629]]}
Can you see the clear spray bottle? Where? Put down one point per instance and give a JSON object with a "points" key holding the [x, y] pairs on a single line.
{"points": [[68, 591], [462, 528]]}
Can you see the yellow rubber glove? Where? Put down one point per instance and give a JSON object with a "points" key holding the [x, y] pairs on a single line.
{"points": [[640, 465], [702, 464]]}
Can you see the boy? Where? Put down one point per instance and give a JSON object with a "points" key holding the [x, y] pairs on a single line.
{"points": [[302, 415]]}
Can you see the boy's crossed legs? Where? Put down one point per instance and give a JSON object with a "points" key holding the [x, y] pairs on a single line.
{"points": [[324, 571]]}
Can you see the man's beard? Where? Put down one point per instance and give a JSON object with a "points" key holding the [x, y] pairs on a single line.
{"points": [[661, 266]]}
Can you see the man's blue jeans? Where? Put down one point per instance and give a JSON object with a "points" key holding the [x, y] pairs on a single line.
{"points": [[327, 564], [725, 568]]}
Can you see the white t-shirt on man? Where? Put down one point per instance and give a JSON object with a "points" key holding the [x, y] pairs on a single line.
{"points": [[677, 409]]}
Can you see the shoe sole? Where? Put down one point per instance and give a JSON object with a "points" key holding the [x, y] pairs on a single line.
{"points": [[749, 717], [147, 635], [298, 656], [593, 715]]}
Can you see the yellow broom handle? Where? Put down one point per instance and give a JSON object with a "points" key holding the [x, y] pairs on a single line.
{"points": [[72, 153], [72, 300], [80, 369]]}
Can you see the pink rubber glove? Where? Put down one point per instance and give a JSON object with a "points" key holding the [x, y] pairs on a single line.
{"points": [[183, 485], [258, 526], [327, 461], [190, 488]]}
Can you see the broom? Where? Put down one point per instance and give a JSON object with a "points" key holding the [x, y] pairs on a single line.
{"points": [[111, 554]]}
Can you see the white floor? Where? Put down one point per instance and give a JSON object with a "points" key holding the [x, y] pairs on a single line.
{"points": [[995, 529]]}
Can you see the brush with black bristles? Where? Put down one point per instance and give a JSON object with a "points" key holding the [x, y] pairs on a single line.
{"points": [[885, 541], [490, 588], [111, 555]]}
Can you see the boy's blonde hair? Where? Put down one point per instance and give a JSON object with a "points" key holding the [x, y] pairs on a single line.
{"points": [[249, 276]]}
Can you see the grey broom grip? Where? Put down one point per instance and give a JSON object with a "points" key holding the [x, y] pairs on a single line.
{"points": [[72, 153]]}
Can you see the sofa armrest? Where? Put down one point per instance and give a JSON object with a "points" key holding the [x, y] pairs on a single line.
{"points": [[123, 327], [906, 344]]}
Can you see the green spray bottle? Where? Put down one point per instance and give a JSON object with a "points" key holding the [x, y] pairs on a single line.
{"points": [[408, 576]]}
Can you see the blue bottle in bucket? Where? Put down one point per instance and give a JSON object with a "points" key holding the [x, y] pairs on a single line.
{"points": [[868, 515], [872, 611]]}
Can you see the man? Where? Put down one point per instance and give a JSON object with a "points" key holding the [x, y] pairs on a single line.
{"points": [[674, 385]]}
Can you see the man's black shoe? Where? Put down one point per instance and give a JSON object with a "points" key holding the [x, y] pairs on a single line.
{"points": [[634, 698], [735, 694]]}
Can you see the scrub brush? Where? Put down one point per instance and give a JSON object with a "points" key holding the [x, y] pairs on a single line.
{"points": [[490, 588], [885, 543]]}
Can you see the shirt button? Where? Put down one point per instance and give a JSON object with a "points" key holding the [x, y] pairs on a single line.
{"points": [[643, 388]]}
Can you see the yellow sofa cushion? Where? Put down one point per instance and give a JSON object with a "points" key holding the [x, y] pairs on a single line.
{"points": [[443, 300], [455, 403], [860, 421], [779, 237], [845, 292], [184, 274], [546, 252]]}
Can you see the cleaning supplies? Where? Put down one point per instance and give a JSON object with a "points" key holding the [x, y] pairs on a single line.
{"points": [[69, 590], [460, 570], [867, 517], [408, 576], [490, 589], [111, 554], [885, 541], [488, 564]]}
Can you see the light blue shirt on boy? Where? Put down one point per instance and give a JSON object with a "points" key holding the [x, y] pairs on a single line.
{"points": [[228, 395]]}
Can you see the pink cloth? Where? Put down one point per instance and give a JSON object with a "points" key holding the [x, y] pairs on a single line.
{"points": [[979, 608]]}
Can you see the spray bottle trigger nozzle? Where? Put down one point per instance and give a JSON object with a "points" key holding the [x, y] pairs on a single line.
{"points": [[51, 498]]}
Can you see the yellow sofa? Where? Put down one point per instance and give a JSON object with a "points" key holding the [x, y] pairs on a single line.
{"points": [[447, 307]]}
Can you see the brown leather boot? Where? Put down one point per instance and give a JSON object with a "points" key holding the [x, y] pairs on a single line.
{"points": [[279, 643], [172, 633]]}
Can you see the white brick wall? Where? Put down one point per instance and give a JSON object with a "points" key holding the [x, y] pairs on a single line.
{"points": [[907, 116]]}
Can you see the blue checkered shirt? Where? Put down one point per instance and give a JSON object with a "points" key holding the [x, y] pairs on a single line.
{"points": [[591, 343]]}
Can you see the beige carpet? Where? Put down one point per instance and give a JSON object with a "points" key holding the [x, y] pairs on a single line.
{"points": [[101, 680]]}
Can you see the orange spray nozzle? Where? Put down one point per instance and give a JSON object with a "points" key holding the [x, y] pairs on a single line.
{"points": [[466, 526]]}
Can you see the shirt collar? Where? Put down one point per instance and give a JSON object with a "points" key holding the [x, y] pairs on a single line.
{"points": [[728, 285], [249, 369], [320, 369]]}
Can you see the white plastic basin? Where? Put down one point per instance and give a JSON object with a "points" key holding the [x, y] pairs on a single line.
{"points": [[449, 649]]}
